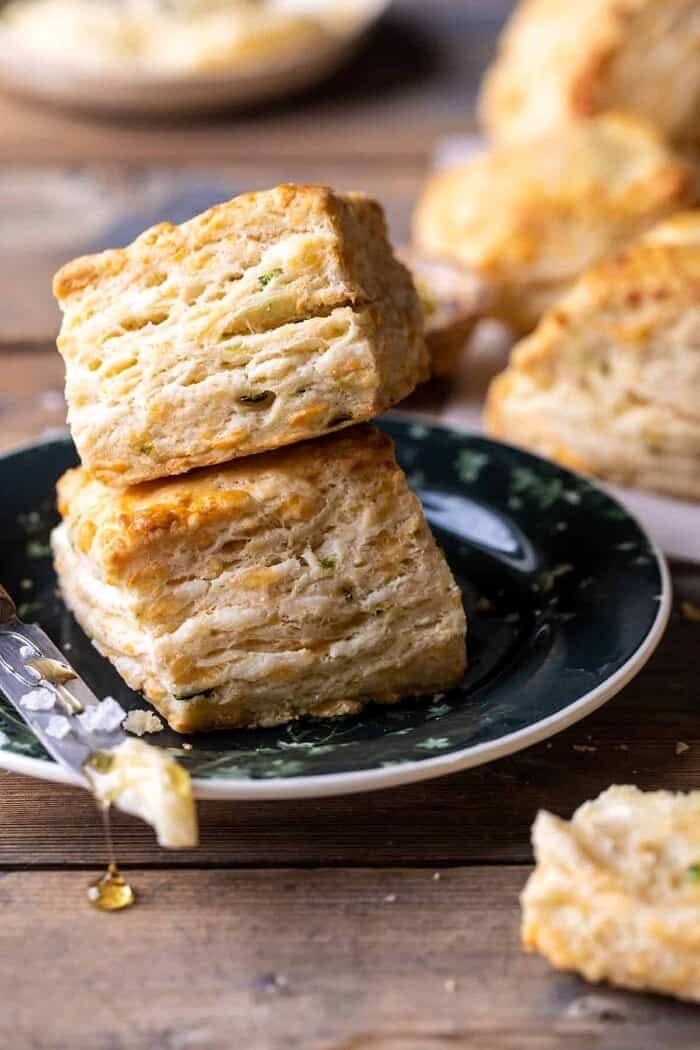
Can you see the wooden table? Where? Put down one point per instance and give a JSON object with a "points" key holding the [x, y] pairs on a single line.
{"points": [[386, 921]]}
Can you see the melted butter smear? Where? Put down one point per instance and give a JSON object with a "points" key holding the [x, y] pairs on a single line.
{"points": [[148, 783]]}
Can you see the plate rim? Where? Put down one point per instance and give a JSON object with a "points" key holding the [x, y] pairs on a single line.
{"points": [[326, 785]]}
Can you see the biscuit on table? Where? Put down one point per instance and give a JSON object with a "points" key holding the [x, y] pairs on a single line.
{"points": [[275, 317], [615, 894], [301, 581], [558, 62], [529, 218], [609, 382]]}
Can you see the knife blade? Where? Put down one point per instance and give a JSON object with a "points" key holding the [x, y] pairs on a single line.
{"points": [[140, 779], [20, 644]]}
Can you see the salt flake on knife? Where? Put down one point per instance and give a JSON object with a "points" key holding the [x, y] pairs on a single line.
{"points": [[57, 726], [103, 717], [38, 699]]}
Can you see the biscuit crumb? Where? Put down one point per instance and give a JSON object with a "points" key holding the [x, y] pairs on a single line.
{"points": [[102, 717], [40, 699], [450, 984], [140, 722], [681, 746], [595, 1008]]}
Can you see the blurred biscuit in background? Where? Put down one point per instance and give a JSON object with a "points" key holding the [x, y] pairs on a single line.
{"points": [[609, 382], [528, 218], [561, 62], [453, 300]]}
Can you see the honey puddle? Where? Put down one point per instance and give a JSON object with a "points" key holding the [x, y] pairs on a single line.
{"points": [[111, 892], [148, 783], [140, 779]]}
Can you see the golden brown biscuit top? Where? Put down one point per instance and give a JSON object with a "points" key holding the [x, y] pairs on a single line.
{"points": [[628, 323], [115, 527], [651, 282], [555, 60], [511, 207], [253, 217]]}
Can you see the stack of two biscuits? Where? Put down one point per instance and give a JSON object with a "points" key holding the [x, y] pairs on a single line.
{"points": [[231, 584]]}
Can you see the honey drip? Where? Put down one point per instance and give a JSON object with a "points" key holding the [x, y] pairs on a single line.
{"points": [[111, 892]]}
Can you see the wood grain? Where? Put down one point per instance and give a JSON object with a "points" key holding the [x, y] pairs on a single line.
{"points": [[319, 960], [480, 815]]}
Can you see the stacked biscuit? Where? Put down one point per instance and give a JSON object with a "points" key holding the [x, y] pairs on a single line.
{"points": [[231, 583], [575, 219]]}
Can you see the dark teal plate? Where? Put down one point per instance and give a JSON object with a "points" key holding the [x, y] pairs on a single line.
{"points": [[566, 599]]}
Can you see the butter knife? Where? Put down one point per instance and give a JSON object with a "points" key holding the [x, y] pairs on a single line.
{"points": [[20, 645]]}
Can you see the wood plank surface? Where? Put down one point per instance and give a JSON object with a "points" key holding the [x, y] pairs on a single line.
{"points": [[320, 960], [479, 815]]}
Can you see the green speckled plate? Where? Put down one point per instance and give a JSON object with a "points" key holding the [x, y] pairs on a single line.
{"points": [[566, 599]]}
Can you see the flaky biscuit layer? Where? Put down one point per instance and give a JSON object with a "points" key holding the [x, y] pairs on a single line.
{"points": [[300, 581], [275, 317]]}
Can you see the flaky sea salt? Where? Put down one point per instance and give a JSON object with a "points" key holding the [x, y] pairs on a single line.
{"points": [[26, 651], [57, 726], [38, 699], [140, 722], [102, 717]]}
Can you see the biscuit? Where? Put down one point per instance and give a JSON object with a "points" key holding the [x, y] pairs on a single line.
{"points": [[615, 894], [529, 218], [454, 300], [609, 382], [561, 62], [275, 317], [301, 581]]}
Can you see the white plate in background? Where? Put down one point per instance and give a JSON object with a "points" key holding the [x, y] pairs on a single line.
{"points": [[136, 91]]}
